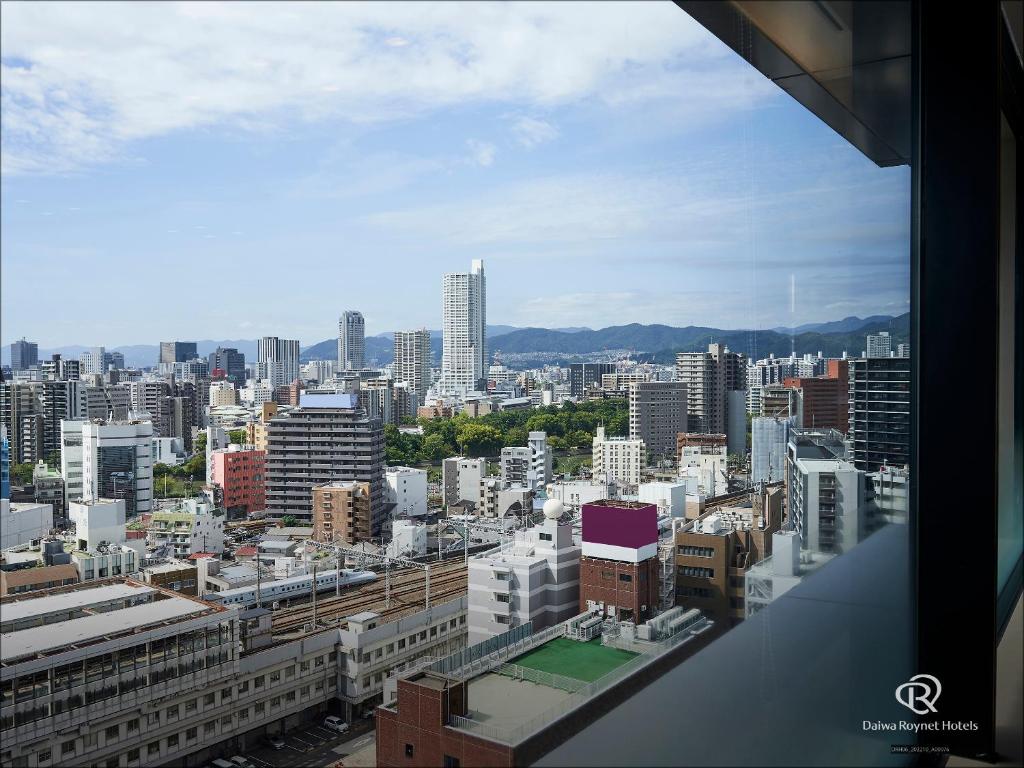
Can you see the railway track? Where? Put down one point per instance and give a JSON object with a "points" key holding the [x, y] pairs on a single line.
{"points": [[407, 589]]}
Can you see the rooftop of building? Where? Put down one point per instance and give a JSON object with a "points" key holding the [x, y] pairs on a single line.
{"points": [[50, 621], [824, 465], [25, 576], [170, 567], [619, 504]]}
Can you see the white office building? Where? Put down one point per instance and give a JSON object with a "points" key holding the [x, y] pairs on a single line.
{"points": [[351, 341], [464, 339], [535, 577], [617, 459], [223, 393], [109, 460], [406, 488], [256, 393]]}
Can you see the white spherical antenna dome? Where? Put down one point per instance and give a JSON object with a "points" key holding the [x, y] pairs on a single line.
{"points": [[553, 509]]}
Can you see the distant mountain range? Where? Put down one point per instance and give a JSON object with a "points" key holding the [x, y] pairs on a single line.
{"points": [[657, 343]]}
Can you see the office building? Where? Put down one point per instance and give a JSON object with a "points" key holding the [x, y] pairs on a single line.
{"points": [[277, 360], [708, 377], [657, 413], [714, 552], [619, 566], [464, 332], [769, 437], [93, 361], [405, 491], [584, 376], [109, 460], [24, 355], [351, 341], [412, 360], [222, 393], [617, 459], [342, 512], [736, 422], [902, 350], [107, 402], [879, 345], [299, 457], [177, 351], [880, 412], [229, 360], [239, 472], [534, 578]]}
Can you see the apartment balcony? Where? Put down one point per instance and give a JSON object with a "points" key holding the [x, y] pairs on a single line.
{"points": [[496, 585]]}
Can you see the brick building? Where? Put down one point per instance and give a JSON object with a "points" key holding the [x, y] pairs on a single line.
{"points": [[619, 566], [714, 552]]}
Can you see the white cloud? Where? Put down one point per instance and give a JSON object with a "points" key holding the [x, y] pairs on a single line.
{"points": [[481, 152], [530, 131], [81, 80]]}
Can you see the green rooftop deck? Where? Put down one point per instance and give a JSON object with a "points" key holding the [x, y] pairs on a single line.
{"points": [[571, 658]]}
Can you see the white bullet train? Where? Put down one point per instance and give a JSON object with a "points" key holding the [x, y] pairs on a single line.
{"points": [[290, 588]]}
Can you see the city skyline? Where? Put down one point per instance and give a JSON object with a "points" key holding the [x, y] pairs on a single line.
{"points": [[571, 168]]}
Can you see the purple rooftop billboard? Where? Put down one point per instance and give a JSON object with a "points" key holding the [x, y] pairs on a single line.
{"points": [[629, 525]]}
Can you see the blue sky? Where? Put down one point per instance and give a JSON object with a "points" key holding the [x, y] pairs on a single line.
{"points": [[231, 171]]}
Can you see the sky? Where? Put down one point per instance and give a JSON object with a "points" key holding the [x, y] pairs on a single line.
{"points": [[206, 170]]}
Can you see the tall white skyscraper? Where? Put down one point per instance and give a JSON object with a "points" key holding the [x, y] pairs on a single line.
{"points": [[412, 360], [464, 346], [351, 341], [277, 360]]}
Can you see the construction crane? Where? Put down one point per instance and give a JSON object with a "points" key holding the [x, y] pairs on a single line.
{"points": [[387, 560]]}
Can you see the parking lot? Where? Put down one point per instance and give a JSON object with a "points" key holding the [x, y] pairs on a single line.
{"points": [[313, 745]]}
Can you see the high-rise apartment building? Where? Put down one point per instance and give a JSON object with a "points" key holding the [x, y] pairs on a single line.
{"points": [[351, 341], [828, 503], [277, 360], [327, 438], [708, 377], [464, 339], [657, 414], [5, 464], [32, 412], [24, 355], [58, 367], [880, 412], [879, 345], [239, 472], [582, 376], [177, 351], [342, 512], [229, 360], [412, 360]]}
